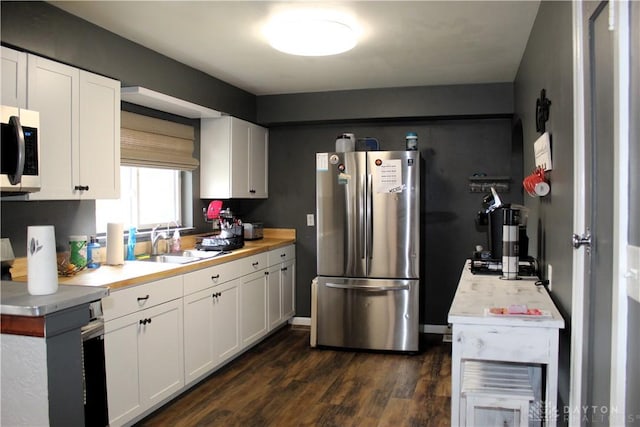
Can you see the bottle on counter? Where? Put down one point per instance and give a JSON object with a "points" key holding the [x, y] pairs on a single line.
{"points": [[131, 244], [175, 242], [93, 253]]}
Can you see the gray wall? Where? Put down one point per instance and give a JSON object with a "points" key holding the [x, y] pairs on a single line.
{"points": [[368, 104], [547, 64], [452, 151]]}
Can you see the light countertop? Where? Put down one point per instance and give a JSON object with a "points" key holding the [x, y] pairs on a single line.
{"points": [[137, 272], [477, 292], [16, 299]]}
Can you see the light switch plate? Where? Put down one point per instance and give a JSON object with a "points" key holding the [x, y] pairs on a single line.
{"points": [[633, 272], [310, 220]]}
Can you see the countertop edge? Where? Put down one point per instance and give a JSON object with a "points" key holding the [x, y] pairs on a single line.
{"points": [[165, 270]]}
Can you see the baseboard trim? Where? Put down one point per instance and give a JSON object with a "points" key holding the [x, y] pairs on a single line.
{"points": [[300, 321], [426, 329], [435, 329]]}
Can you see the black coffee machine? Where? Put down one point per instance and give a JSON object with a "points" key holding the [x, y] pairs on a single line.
{"points": [[493, 218]]}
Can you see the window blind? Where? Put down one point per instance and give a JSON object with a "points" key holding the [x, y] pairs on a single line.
{"points": [[150, 142]]}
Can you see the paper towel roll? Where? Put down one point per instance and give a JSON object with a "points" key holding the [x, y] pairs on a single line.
{"points": [[42, 265], [115, 243]]}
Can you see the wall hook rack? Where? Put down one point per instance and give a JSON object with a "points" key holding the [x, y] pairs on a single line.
{"points": [[542, 111]]}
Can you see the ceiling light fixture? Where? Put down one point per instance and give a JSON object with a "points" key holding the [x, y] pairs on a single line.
{"points": [[311, 33]]}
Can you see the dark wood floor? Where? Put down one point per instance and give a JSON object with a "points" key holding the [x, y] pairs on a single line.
{"points": [[283, 382]]}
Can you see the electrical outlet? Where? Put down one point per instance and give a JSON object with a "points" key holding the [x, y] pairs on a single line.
{"points": [[310, 220], [550, 277]]}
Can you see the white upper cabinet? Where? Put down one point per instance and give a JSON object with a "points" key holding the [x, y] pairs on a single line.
{"points": [[79, 131], [233, 159], [14, 78], [99, 136]]}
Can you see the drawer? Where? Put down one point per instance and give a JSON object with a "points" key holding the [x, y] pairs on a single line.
{"points": [[211, 276], [253, 263], [513, 344], [130, 300], [283, 254]]}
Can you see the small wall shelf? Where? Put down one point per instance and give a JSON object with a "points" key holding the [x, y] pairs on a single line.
{"points": [[483, 183]]}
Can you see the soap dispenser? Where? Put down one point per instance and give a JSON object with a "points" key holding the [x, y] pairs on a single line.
{"points": [[175, 241]]}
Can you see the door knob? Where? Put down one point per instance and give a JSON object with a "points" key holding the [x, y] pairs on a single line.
{"points": [[584, 240]]}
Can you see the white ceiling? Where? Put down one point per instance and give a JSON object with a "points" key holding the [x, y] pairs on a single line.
{"points": [[404, 43]]}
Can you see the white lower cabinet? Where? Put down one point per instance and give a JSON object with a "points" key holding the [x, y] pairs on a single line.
{"points": [[144, 359], [253, 306], [168, 334], [211, 328], [281, 285]]}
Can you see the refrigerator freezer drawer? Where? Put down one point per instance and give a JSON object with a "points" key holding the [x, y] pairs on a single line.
{"points": [[373, 314]]}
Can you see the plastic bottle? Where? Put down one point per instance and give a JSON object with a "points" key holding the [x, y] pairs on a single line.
{"points": [[175, 241], [93, 254], [412, 141], [131, 244]]}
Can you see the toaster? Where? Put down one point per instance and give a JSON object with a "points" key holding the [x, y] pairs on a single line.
{"points": [[252, 230]]}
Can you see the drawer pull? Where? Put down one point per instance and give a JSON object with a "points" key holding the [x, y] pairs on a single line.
{"points": [[145, 298], [81, 188], [283, 255], [284, 269], [255, 264], [217, 276]]}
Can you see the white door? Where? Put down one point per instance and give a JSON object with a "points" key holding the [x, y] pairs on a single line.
{"points": [[598, 199]]}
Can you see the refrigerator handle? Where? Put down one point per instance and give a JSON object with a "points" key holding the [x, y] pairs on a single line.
{"points": [[368, 288], [363, 219], [369, 215]]}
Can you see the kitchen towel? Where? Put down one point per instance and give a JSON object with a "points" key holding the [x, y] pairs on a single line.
{"points": [[115, 243], [42, 265]]}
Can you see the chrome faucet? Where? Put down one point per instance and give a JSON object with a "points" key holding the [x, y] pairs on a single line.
{"points": [[155, 236]]}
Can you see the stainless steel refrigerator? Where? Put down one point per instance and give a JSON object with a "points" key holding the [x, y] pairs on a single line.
{"points": [[368, 242]]}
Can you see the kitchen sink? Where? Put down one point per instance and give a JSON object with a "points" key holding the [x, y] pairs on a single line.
{"points": [[179, 258], [183, 257]]}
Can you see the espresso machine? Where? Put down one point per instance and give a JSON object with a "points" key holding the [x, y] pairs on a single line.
{"points": [[506, 230]]}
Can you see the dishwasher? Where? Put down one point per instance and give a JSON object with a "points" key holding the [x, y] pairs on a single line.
{"points": [[93, 369]]}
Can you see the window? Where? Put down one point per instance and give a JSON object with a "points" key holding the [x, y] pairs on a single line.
{"points": [[148, 197]]}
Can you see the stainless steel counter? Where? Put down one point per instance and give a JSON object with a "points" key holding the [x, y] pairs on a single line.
{"points": [[17, 301]]}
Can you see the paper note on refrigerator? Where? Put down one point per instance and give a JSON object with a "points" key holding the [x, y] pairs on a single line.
{"points": [[322, 161], [388, 177]]}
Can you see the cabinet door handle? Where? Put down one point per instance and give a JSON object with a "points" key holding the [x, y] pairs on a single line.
{"points": [[252, 191], [266, 273], [144, 321], [284, 269], [145, 298], [217, 276], [81, 187]]}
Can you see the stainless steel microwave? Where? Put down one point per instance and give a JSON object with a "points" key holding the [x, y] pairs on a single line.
{"points": [[20, 150]]}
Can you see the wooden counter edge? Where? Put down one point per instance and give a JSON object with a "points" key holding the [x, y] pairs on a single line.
{"points": [[273, 239]]}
